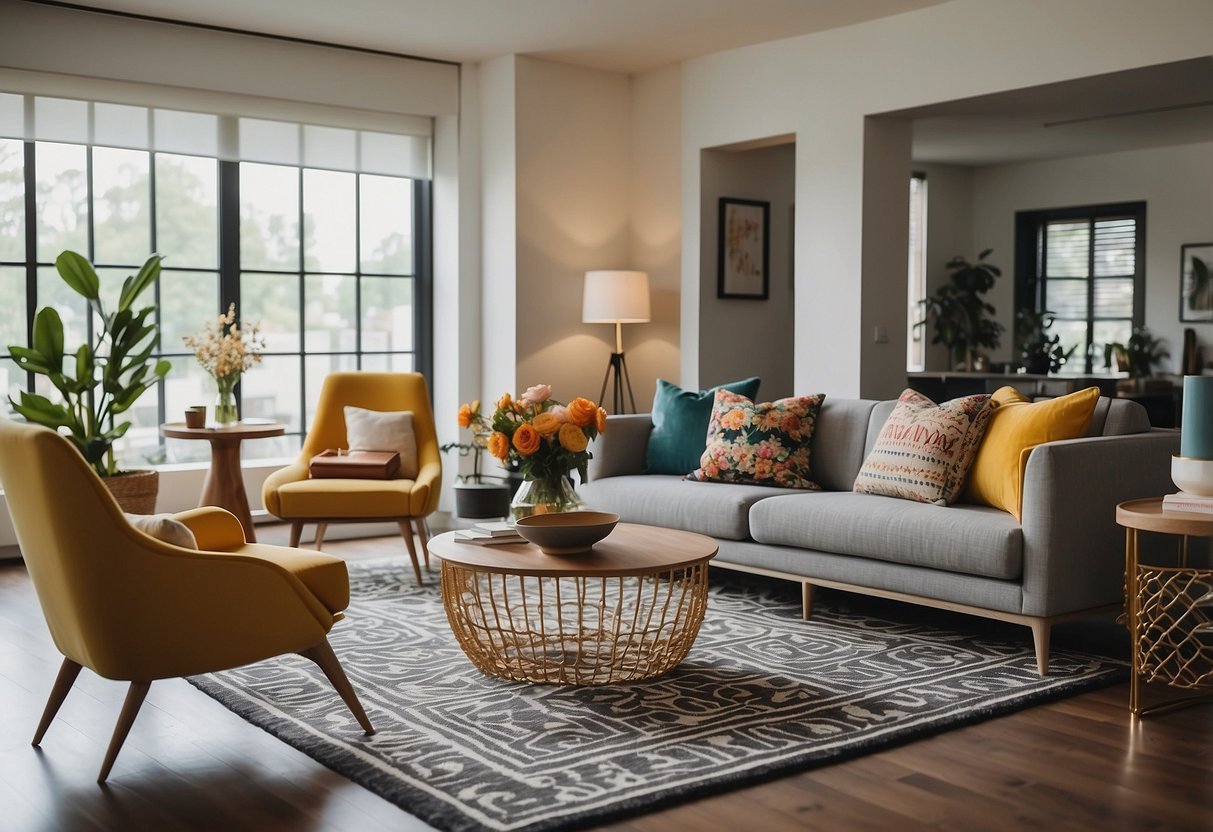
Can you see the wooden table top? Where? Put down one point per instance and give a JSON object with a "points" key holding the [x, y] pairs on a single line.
{"points": [[239, 430], [629, 549], [1147, 515]]}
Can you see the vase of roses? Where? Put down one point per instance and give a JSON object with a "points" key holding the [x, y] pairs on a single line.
{"points": [[225, 352], [545, 440]]}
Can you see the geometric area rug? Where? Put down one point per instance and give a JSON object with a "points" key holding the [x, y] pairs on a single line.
{"points": [[761, 694]]}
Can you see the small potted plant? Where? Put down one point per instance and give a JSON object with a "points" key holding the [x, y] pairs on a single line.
{"points": [[99, 380], [1040, 351], [958, 311], [477, 495], [1138, 355]]}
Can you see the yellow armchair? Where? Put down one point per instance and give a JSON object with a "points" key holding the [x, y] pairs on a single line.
{"points": [[290, 494], [133, 608]]}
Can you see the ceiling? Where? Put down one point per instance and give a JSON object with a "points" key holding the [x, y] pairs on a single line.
{"points": [[619, 35]]}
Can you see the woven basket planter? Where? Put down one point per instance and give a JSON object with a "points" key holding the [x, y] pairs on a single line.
{"points": [[135, 491]]}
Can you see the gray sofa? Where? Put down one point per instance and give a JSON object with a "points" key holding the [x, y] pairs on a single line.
{"points": [[1064, 560]]}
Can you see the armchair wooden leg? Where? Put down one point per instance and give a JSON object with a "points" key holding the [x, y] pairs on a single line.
{"points": [[296, 533], [130, 709], [322, 654], [68, 671], [406, 529], [423, 534], [321, 528]]}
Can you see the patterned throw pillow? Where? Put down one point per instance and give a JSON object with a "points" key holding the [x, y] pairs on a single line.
{"points": [[925, 449], [762, 444]]}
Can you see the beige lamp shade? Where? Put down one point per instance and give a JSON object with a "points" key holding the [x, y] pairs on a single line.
{"points": [[615, 297]]}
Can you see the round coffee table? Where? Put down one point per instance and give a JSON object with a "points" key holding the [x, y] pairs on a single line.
{"points": [[628, 609]]}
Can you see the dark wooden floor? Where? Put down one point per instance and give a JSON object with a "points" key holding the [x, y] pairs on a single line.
{"points": [[189, 764]]}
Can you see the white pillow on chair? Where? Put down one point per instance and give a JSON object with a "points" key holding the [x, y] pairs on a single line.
{"points": [[164, 527], [374, 430]]}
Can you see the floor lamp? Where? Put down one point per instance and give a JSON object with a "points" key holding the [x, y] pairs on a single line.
{"points": [[616, 297]]}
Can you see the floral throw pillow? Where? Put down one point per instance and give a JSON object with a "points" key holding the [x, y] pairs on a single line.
{"points": [[924, 450], [761, 444]]}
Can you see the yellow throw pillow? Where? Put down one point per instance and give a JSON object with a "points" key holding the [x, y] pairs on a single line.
{"points": [[1016, 426]]}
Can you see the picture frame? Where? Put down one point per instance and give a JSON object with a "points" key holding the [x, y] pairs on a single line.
{"points": [[744, 249], [1196, 283]]}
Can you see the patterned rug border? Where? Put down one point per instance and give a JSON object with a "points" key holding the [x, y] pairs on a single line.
{"points": [[343, 756]]}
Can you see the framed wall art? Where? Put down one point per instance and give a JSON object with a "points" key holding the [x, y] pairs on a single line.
{"points": [[1196, 282], [745, 243]]}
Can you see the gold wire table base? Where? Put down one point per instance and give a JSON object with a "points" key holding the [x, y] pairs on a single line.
{"points": [[572, 629]]}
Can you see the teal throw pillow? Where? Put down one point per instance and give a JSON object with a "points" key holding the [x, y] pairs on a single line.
{"points": [[680, 424]]}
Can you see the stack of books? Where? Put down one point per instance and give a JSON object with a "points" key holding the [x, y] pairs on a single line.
{"points": [[1184, 501], [490, 534]]}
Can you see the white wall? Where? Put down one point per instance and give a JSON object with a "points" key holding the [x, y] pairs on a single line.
{"points": [[1175, 182], [949, 233], [822, 86], [747, 337]]}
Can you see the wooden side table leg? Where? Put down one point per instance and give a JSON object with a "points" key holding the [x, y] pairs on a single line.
{"points": [[1133, 622], [224, 485]]}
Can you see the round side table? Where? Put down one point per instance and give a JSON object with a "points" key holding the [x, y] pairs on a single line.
{"points": [[1169, 609], [224, 485]]}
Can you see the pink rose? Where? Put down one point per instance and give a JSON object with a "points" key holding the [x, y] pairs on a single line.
{"points": [[536, 395], [560, 412]]}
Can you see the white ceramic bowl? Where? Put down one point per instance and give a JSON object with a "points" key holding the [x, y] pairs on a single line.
{"points": [[566, 532], [1192, 475]]}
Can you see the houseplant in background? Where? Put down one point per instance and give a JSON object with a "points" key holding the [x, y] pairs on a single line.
{"points": [[959, 311], [477, 495], [226, 352], [103, 378], [547, 440], [1138, 355], [1040, 351]]}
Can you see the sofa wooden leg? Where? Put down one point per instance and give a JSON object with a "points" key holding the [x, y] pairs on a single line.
{"points": [[321, 528], [68, 671], [130, 709], [296, 533], [806, 600], [1040, 639], [324, 657], [406, 529]]}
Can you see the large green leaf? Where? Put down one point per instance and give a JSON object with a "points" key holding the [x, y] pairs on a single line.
{"points": [[41, 410], [48, 336], [30, 360], [78, 273], [133, 286]]}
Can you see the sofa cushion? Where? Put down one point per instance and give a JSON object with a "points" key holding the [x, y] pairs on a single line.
{"points": [[968, 539], [1018, 425], [925, 449], [680, 424], [760, 444], [716, 509], [838, 442]]}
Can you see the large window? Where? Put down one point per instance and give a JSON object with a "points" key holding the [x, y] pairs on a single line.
{"points": [[1086, 265], [332, 263]]}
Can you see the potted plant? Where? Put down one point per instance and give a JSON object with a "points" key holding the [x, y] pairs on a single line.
{"points": [[475, 498], [1137, 356], [99, 380], [1041, 352], [958, 311]]}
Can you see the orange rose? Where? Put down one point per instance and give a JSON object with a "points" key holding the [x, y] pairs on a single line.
{"points": [[526, 439], [600, 420], [505, 402], [546, 423], [499, 445], [467, 413], [572, 438], [582, 412]]}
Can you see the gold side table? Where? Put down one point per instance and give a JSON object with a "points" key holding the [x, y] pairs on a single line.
{"points": [[628, 609], [1168, 609]]}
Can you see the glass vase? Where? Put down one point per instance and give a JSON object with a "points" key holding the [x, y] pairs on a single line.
{"points": [[544, 495], [225, 402]]}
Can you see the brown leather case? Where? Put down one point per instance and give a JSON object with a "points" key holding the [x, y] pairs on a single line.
{"points": [[354, 465]]}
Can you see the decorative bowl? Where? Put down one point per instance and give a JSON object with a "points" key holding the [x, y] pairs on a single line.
{"points": [[566, 532], [1192, 475]]}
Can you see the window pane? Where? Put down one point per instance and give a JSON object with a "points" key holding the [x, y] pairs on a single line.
{"points": [[387, 314], [1115, 252], [187, 211], [72, 308], [121, 206], [1072, 334], [62, 198], [1067, 298], [272, 301], [271, 391], [269, 217], [12, 200], [386, 219], [328, 221], [12, 307], [400, 362], [188, 301], [285, 448], [331, 313], [1109, 332], [319, 366], [1114, 298], [1067, 249], [12, 382]]}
